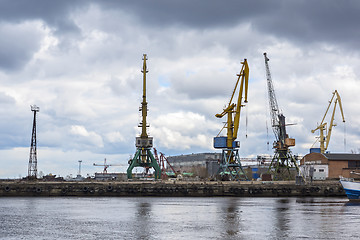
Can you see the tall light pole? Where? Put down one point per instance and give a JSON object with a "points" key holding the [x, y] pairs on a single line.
{"points": [[79, 173], [32, 169]]}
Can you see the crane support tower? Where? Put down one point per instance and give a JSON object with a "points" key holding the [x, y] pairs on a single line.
{"points": [[230, 165], [324, 139], [143, 156], [32, 168], [283, 159]]}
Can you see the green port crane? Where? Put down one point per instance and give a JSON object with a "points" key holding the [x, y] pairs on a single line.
{"points": [[324, 139], [230, 165], [143, 156]]}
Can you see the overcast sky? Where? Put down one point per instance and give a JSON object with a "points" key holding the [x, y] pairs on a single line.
{"points": [[80, 62]]}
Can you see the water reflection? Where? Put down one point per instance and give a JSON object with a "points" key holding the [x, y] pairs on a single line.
{"points": [[143, 220], [282, 207], [232, 218], [178, 218], [352, 204]]}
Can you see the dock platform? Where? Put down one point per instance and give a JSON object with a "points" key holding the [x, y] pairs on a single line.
{"points": [[171, 188]]}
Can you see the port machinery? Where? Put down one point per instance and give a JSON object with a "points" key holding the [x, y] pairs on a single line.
{"points": [[161, 161], [106, 166], [325, 131], [230, 164], [143, 156], [283, 159]]}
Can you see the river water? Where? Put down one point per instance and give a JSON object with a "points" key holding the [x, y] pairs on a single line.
{"points": [[178, 218]]}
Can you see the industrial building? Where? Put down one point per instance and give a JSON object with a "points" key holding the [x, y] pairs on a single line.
{"points": [[110, 176], [204, 164], [208, 165], [321, 166]]}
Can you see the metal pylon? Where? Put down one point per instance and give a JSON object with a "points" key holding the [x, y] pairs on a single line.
{"points": [[32, 168], [230, 165]]}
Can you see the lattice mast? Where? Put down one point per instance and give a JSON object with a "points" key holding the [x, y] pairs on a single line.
{"points": [[283, 159], [32, 168]]}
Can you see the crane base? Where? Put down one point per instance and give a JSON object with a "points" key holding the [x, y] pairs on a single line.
{"points": [[230, 166], [144, 158], [281, 164]]}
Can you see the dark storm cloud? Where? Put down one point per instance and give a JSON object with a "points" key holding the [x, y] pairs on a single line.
{"points": [[194, 14], [334, 22], [18, 44], [54, 13], [300, 21]]}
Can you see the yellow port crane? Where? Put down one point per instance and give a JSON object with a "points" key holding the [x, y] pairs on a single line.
{"points": [[324, 139], [230, 163]]}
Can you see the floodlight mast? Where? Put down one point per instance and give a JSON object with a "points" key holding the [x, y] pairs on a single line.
{"points": [[32, 168]]}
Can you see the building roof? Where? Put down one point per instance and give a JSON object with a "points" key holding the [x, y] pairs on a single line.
{"points": [[342, 156]]}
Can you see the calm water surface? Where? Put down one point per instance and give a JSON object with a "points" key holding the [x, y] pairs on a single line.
{"points": [[178, 218]]}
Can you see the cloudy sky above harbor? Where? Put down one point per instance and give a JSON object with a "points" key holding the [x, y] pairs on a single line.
{"points": [[80, 62]]}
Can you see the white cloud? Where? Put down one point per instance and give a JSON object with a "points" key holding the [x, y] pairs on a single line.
{"points": [[182, 131], [85, 135]]}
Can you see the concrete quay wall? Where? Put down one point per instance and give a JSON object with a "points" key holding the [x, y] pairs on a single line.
{"points": [[170, 189]]}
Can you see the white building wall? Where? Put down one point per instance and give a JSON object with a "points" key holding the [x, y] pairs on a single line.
{"points": [[315, 170], [321, 172]]}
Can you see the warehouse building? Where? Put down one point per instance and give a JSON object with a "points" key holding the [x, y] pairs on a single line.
{"points": [[320, 166], [202, 164]]}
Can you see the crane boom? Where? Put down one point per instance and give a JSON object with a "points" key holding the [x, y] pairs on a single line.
{"points": [[232, 125], [277, 118], [274, 108]]}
